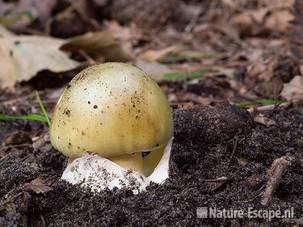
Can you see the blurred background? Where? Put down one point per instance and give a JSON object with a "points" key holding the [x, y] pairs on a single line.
{"points": [[246, 52]]}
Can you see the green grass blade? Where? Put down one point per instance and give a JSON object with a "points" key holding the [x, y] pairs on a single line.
{"points": [[28, 117], [188, 56], [265, 102], [42, 108], [185, 75]]}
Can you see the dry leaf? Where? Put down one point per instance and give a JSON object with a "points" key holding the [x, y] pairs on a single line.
{"points": [[293, 91], [263, 20], [278, 21], [260, 118], [249, 21], [154, 55], [242, 161], [38, 186], [22, 57], [129, 35], [268, 75], [99, 44], [18, 137]]}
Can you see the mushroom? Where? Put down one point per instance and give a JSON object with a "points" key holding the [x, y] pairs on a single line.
{"points": [[114, 115]]}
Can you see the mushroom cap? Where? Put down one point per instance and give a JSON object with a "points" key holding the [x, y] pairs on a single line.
{"points": [[111, 109]]}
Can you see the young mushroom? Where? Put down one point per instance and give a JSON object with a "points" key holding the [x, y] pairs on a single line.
{"points": [[114, 123]]}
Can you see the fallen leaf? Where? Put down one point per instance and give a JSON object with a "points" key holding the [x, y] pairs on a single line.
{"points": [[278, 21], [263, 20], [267, 75], [293, 91], [22, 57], [260, 118], [42, 143], [18, 137], [248, 22], [5, 33], [154, 55], [154, 69], [99, 45], [242, 161], [129, 35], [38, 186]]}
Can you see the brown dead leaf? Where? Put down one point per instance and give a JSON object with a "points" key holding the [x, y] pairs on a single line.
{"points": [[293, 91], [248, 22], [278, 21], [42, 143], [38, 186], [130, 34], [261, 69], [99, 45], [260, 118], [22, 57], [18, 137], [242, 161], [154, 55], [263, 20], [268, 75]]}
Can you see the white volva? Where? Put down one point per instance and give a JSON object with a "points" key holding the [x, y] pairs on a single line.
{"points": [[97, 173]]}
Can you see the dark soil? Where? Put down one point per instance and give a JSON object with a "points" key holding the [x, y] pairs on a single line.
{"points": [[220, 157]]}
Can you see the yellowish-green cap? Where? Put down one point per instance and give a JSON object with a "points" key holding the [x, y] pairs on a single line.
{"points": [[111, 109]]}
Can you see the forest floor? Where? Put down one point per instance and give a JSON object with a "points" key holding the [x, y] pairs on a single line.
{"points": [[232, 72]]}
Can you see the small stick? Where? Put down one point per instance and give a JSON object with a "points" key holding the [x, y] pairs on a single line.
{"points": [[234, 150], [275, 172], [217, 179], [267, 107]]}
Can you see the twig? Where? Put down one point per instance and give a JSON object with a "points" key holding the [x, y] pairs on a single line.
{"points": [[275, 172], [90, 60], [234, 150], [217, 179], [267, 107], [253, 198], [193, 22]]}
